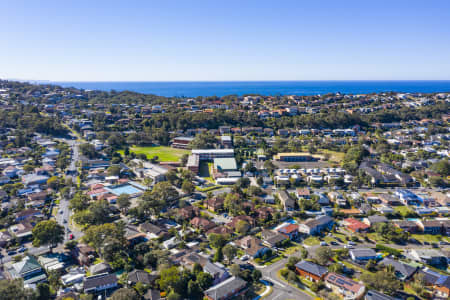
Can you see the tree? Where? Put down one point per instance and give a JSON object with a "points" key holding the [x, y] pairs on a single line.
{"points": [[218, 256], [14, 290], [164, 191], [70, 245], [194, 290], [169, 279], [53, 182], [79, 202], [291, 277], [292, 261], [125, 294], [324, 254], [43, 291], [383, 281], [88, 150], [336, 268], [96, 235], [371, 264], [230, 252], [205, 280], [123, 201], [419, 283], [47, 233], [269, 166], [114, 170], [242, 227], [256, 275], [235, 269], [216, 240], [188, 187], [442, 167], [173, 296]]}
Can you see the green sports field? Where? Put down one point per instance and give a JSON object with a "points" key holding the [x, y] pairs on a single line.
{"points": [[163, 153]]}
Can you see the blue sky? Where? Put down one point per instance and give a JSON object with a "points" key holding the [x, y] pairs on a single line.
{"points": [[224, 40]]}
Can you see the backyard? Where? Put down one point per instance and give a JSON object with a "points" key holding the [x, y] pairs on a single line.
{"points": [[163, 153]]}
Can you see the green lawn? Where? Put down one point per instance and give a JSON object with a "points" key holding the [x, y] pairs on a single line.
{"points": [[295, 247], [334, 155], [311, 241], [163, 153], [403, 210], [429, 238]]}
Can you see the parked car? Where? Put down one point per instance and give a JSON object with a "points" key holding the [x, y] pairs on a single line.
{"points": [[22, 249], [13, 252], [70, 236], [323, 244]]}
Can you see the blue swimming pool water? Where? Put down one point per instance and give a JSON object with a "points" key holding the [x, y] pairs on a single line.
{"points": [[124, 189], [291, 221]]}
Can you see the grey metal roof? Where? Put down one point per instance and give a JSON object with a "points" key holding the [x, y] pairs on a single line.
{"points": [[223, 289], [363, 252], [311, 267], [404, 269], [99, 280]]}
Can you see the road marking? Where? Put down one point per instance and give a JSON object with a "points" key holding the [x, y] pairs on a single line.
{"points": [[275, 281], [278, 296]]}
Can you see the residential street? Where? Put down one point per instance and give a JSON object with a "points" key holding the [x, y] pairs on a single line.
{"points": [[64, 212], [281, 290]]}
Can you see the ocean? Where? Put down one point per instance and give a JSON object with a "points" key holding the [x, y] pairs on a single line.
{"points": [[222, 88]]}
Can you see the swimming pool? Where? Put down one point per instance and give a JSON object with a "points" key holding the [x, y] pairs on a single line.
{"points": [[124, 189], [291, 221]]}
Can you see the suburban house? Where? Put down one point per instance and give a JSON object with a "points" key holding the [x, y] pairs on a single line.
{"points": [[28, 269], [409, 226], [430, 226], [428, 256], [141, 276], [287, 202], [315, 226], [152, 231], [27, 213], [227, 289], [303, 193], [362, 254], [290, 230], [355, 225], [403, 271], [310, 270], [442, 287], [344, 286], [98, 283], [218, 272], [272, 238], [100, 268], [375, 219], [215, 204], [201, 223], [84, 254], [252, 246]]}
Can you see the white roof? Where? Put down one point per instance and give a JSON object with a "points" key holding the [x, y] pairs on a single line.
{"points": [[206, 151]]}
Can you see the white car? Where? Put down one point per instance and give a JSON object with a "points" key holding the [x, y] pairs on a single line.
{"points": [[245, 257]]}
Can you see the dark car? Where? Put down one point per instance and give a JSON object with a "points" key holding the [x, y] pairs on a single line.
{"points": [[13, 252]]}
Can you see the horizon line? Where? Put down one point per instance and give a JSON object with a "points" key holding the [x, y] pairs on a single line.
{"points": [[268, 80]]}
